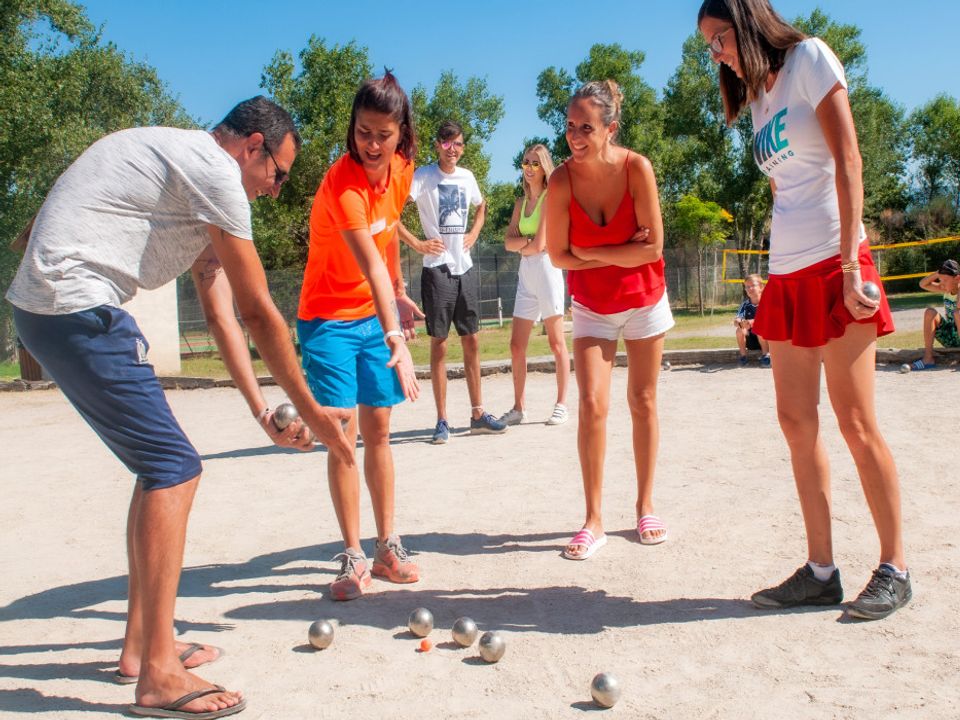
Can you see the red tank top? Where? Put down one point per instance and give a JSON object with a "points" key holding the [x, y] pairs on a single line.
{"points": [[612, 289]]}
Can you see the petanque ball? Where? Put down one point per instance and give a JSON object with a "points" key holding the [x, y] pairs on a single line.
{"points": [[420, 622], [605, 689], [464, 632], [285, 414], [905, 368], [871, 290], [492, 646], [320, 634]]}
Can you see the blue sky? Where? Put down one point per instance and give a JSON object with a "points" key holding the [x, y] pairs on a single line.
{"points": [[211, 52]]}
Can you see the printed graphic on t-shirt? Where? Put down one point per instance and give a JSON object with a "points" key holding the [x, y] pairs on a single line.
{"points": [[770, 143], [949, 305], [453, 209]]}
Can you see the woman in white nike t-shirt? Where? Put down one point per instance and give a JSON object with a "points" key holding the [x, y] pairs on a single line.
{"points": [[814, 309]]}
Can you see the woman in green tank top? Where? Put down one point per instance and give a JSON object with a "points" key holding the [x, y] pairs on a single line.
{"points": [[540, 289]]}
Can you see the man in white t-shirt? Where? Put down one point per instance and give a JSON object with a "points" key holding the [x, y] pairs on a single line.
{"points": [[449, 284], [135, 210]]}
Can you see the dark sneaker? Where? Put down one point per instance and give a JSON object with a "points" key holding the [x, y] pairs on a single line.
{"points": [[885, 593], [765, 361], [801, 588], [486, 424], [441, 433], [742, 360]]}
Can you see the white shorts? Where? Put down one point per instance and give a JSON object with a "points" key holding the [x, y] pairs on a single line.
{"points": [[539, 288], [635, 324]]}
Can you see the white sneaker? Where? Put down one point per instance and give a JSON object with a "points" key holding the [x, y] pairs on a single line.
{"points": [[513, 417], [559, 416]]}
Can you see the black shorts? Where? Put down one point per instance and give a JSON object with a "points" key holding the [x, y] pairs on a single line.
{"points": [[753, 342], [450, 298]]}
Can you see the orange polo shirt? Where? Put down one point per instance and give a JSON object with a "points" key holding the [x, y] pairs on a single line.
{"points": [[334, 288]]}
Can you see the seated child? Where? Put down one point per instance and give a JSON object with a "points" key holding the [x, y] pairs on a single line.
{"points": [[942, 328], [746, 338]]}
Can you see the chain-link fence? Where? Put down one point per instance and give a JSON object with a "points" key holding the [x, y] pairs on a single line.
{"points": [[498, 288]]}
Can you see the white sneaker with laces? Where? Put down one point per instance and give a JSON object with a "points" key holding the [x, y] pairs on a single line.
{"points": [[513, 417], [559, 415]]}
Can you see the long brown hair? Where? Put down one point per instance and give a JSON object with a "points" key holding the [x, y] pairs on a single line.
{"points": [[763, 38], [384, 95]]}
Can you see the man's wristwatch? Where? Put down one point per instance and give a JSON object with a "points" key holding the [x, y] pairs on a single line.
{"points": [[392, 333]]}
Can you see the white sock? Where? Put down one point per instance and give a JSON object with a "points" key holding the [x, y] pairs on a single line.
{"points": [[821, 572], [896, 571]]}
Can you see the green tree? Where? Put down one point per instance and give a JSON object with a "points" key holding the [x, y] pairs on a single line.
{"points": [[319, 98], [708, 159], [934, 130], [500, 201], [702, 225], [884, 148], [879, 121], [844, 40], [478, 112], [641, 122], [61, 88], [469, 103]]}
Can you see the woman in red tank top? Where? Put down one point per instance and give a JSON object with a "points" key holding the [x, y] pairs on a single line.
{"points": [[604, 213]]}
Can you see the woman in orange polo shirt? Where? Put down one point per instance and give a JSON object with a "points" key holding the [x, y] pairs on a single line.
{"points": [[354, 318]]}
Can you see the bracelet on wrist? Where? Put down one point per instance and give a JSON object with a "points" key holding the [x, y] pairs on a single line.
{"points": [[260, 416], [392, 333], [849, 267]]}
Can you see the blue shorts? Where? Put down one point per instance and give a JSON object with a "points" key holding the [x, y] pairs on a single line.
{"points": [[346, 363], [98, 358]]}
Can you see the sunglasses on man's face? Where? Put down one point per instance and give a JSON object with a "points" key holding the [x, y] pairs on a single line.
{"points": [[280, 176]]}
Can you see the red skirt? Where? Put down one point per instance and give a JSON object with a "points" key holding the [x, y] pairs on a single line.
{"points": [[806, 307]]}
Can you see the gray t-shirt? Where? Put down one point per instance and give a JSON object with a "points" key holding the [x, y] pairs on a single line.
{"points": [[131, 212]]}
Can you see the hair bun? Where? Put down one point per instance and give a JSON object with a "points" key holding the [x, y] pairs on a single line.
{"points": [[616, 94]]}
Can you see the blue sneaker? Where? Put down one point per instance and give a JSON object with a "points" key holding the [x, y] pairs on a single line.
{"points": [[487, 424], [765, 361], [742, 360], [441, 433]]}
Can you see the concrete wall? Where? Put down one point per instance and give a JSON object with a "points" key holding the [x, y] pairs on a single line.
{"points": [[156, 313]]}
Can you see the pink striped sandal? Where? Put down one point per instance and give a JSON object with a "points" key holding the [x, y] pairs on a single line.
{"points": [[587, 541], [649, 524]]}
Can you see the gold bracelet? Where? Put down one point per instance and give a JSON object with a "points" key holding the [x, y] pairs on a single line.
{"points": [[849, 267]]}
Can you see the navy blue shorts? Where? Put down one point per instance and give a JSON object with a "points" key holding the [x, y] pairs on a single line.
{"points": [[98, 358]]}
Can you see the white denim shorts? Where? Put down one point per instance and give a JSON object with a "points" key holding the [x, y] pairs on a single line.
{"points": [[635, 324], [539, 289]]}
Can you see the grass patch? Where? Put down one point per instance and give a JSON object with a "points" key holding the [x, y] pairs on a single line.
{"points": [[908, 301], [904, 339], [9, 370], [211, 366], [495, 341], [706, 342]]}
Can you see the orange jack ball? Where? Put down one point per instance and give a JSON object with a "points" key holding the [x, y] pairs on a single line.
{"points": [[426, 645]]}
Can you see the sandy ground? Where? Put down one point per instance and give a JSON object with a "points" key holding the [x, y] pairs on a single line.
{"points": [[487, 516]]}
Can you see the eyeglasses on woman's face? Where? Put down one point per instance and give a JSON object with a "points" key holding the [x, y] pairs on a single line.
{"points": [[716, 43]]}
